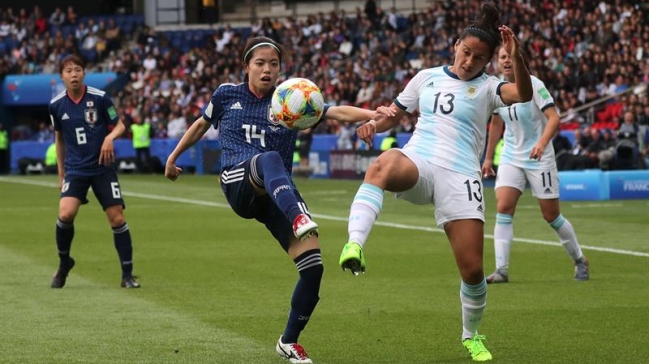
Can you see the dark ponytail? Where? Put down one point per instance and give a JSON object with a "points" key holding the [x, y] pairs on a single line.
{"points": [[485, 26]]}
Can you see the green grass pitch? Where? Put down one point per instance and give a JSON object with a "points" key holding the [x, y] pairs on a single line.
{"points": [[216, 288]]}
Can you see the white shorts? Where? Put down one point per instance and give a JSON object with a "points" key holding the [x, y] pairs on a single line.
{"points": [[544, 183], [456, 196]]}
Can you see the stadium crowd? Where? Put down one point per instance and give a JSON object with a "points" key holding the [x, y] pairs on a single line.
{"points": [[582, 50]]}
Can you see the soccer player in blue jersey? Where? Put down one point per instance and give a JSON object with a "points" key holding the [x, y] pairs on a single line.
{"points": [[440, 164], [82, 118], [256, 166], [527, 156]]}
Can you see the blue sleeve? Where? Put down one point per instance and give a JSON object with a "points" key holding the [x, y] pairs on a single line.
{"points": [[323, 117], [53, 117], [110, 110], [214, 110]]}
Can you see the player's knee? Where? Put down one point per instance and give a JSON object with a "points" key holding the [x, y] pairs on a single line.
{"points": [[381, 168], [67, 216], [550, 216], [270, 157], [116, 219], [505, 207], [471, 270]]}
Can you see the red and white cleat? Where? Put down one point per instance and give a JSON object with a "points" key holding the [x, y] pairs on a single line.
{"points": [[294, 352], [304, 227]]}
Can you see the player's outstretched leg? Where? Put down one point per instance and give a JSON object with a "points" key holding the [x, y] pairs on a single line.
{"points": [[61, 274], [304, 227], [293, 352], [352, 258], [476, 348]]}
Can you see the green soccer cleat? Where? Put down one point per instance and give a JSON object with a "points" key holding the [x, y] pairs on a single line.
{"points": [[476, 348], [352, 258]]}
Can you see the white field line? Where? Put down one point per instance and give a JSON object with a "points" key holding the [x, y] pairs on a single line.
{"points": [[333, 218]]}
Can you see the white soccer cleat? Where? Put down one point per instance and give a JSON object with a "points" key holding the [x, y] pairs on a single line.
{"points": [[304, 227], [294, 352]]}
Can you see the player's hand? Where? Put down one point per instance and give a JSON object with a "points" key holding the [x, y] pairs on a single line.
{"points": [[61, 179], [383, 112], [537, 151], [367, 131], [509, 41], [172, 172], [488, 168], [107, 153]]}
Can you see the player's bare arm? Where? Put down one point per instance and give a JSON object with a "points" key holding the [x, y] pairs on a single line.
{"points": [[386, 118], [60, 156], [107, 153], [548, 133], [522, 90], [495, 131], [353, 113], [191, 137]]}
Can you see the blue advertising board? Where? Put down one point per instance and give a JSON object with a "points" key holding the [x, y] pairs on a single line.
{"points": [[21, 90], [629, 184], [588, 185]]}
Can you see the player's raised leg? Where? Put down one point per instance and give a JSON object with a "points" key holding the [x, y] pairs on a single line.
{"points": [[267, 171]]}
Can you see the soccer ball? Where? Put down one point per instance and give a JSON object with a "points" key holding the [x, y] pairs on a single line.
{"points": [[297, 104]]}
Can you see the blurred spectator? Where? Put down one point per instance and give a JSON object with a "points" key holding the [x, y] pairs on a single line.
{"points": [[562, 150], [50, 160], [345, 134], [304, 141], [142, 134], [57, 18], [607, 155], [160, 131], [4, 150], [596, 145], [45, 133], [70, 16], [177, 125]]}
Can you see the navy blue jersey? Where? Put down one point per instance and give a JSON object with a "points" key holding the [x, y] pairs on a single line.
{"points": [[247, 127], [84, 126]]}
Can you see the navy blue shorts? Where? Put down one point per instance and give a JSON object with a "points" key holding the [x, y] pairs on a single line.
{"points": [[105, 186], [241, 196]]}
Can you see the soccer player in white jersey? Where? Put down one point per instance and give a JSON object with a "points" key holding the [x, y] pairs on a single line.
{"points": [[256, 167], [527, 156], [440, 164]]}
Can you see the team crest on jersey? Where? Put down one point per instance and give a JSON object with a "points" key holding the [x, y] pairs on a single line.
{"points": [[271, 117], [90, 104], [471, 91], [91, 116]]}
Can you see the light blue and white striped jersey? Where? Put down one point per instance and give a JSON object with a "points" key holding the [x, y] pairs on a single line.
{"points": [[524, 125], [453, 114]]}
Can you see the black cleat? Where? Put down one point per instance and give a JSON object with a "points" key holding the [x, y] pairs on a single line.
{"points": [[129, 282], [61, 274]]}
